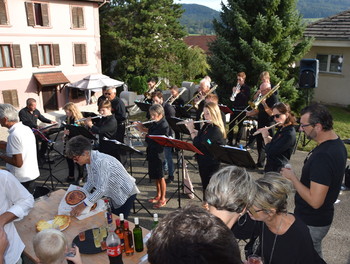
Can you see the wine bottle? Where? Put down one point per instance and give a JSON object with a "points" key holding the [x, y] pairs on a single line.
{"points": [[138, 238], [128, 242]]}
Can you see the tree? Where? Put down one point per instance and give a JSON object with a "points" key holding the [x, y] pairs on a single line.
{"points": [[255, 36], [142, 38]]}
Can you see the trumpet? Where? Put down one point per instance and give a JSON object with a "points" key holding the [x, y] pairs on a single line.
{"points": [[260, 98], [259, 132], [151, 90], [200, 98], [233, 96], [83, 119], [194, 122], [171, 99], [143, 123]]}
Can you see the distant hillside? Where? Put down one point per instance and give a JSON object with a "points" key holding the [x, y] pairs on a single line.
{"points": [[322, 8], [197, 19]]}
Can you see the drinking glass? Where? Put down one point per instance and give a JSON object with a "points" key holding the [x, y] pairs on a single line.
{"points": [[254, 259]]}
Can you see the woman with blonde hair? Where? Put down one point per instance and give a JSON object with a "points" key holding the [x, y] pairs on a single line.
{"points": [[72, 115], [283, 237], [212, 132]]}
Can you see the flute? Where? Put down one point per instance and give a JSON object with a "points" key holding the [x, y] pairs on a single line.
{"points": [[143, 123], [194, 122], [83, 119], [259, 131]]}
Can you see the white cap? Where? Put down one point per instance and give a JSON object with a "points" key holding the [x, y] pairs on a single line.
{"points": [[136, 220], [121, 216]]}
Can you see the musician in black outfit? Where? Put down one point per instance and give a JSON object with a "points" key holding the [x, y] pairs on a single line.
{"points": [[174, 91], [212, 132], [29, 116], [199, 101], [264, 113], [242, 95], [155, 152], [279, 148], [105, 127], [119, 112], [169, 111]]}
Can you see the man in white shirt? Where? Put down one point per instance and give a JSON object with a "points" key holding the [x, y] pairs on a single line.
{"points": [[15, 203], [20, 158]]}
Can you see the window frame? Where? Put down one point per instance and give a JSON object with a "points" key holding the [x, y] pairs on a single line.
{"points": [[33, 18], [15, 56], [3, 3], [77, 17], [329, 62], [35, 50], [84, 61]]}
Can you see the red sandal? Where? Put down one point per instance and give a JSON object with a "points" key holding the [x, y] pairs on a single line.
{"points": [[159, 204], [154, 200]]}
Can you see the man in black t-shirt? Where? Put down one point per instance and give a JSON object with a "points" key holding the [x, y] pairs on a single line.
{"points": [[322, 173]]}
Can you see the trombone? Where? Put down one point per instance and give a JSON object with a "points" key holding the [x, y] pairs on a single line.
{"points": [[172, 99], [201, 99], [151, 90], [255, 104]]}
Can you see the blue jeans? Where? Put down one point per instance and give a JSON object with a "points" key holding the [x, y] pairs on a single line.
{"points": [[317, 234], [168, 161], [125, 208]]}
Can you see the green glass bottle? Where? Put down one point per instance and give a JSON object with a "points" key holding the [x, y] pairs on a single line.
{"points": [[155, 221], [138, 238]]}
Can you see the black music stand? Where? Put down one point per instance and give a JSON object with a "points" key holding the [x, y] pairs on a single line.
{"points": [[181, 145], [80, 130], [119, 146], [143, 106], [50, 145], [232, 155]]}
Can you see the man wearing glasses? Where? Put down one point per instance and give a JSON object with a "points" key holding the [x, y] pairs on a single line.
{"points": [[119, 111], [322, 173]]}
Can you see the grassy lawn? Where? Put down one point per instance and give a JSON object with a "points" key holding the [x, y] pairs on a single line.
{"points": [[341, 118]]}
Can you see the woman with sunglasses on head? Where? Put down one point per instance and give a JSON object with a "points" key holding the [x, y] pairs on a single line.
{"points": [[283, 238], [279, 148]]}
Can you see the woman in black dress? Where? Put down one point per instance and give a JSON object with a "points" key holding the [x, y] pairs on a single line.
{"points": [[155, 152], [212, 132], [279, 148]]}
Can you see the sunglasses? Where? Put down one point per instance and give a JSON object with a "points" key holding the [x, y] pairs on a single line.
{"points": [[276, 116], [252, 211], [306, 125], [107, 93]]}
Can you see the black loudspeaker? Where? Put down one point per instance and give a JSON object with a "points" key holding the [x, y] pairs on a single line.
{"points": [[308, 76]]}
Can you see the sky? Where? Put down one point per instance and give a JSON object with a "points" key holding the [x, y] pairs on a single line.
{"points": [[214, 4]]}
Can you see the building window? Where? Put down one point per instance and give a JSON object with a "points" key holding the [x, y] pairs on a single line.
{"points": [[330, 63], [79, 54], [77, 17], [10, 56], [3, 13], [45, 55], [10, 97], [37, 14]]}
